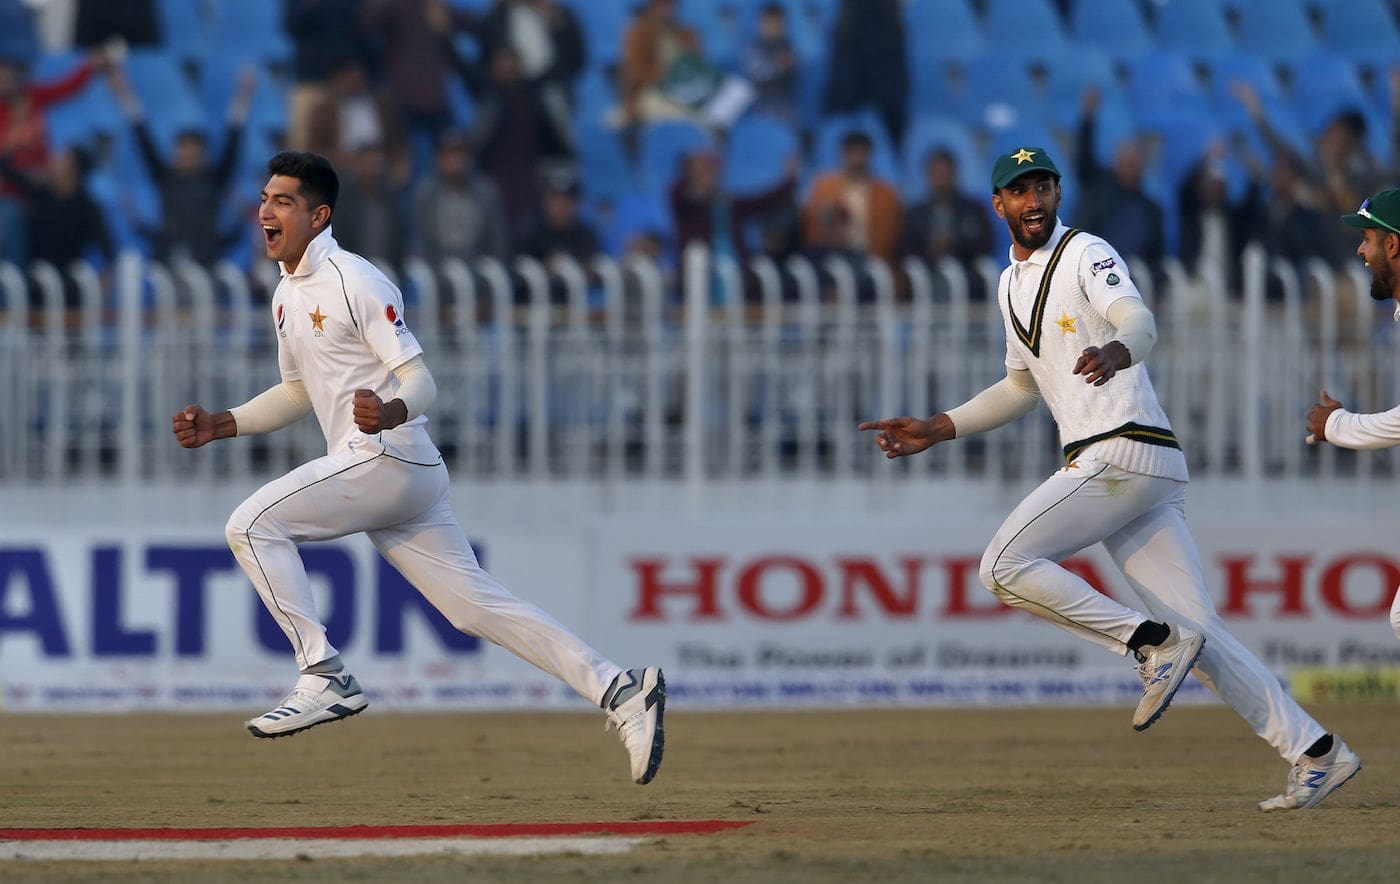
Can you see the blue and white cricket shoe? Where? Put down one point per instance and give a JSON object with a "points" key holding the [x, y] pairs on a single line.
{"points": [[635, 702], [1163, 668], [316, 699], [1313, 779]]}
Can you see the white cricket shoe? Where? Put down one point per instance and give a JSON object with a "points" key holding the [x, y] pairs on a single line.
{"points": [[1162, 668], [1313, 779], [635, 702], [315, 699]]}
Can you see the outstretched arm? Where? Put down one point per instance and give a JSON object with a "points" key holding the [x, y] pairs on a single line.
{"points": [[1329, 422], [272, 409], [1002, 402]]}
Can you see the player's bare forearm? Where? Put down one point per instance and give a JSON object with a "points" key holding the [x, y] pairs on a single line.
{"points": [[903, 436], [1100, 364]]}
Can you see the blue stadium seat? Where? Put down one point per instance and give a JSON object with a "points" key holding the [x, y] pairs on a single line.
{"points": [[1324, 85], [826, 153], [185, 27], [996, 90], [171, 104], [18, 39], [1277, 30], [1243, 68], [929, 132], [1162, 87], [663, 145], [1360, 30], [1194, 28], [604, 24], [250, 29], [722, 26], [941, 30], [595, 96], [637, 212], [1026, 18], [1113, 26], [1070, 75], [757, 154], [604, 171]]}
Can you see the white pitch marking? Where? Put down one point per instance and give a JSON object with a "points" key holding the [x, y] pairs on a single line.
{"points": [[314, 848]]}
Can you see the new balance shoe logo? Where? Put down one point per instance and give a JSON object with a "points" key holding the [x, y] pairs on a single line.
{"points": [[1161, 673], [1315, 779]]}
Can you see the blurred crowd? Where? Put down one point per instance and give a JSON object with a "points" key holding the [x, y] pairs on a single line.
{"points": [[777, 127]]}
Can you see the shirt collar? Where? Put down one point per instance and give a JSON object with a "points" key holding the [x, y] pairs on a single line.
{"points": [[316, 252], [1041, 256]]}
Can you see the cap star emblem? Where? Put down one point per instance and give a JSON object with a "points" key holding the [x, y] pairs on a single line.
{"points": [[317, 318], [1023, 156], [1066, 324]]}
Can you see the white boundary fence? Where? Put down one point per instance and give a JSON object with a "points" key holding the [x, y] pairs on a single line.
{"points": [[623, 371]]}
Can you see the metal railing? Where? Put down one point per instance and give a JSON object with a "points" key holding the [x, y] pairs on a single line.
{"points": [[618, 371]]}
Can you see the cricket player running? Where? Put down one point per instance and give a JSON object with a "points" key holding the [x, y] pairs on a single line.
{"points": [[1379, 220], [1077, 335], [346, 354]]}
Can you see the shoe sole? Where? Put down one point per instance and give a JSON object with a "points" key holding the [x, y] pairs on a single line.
{"points": [[1319, 796], [658, 740], [1171, 694], [265, 735]]}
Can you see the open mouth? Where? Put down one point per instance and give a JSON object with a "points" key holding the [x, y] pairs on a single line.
{"points": [[1034, 223], [272, 234]]}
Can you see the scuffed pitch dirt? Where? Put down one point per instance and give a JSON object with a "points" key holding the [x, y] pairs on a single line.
{"points": [[973, 795]]}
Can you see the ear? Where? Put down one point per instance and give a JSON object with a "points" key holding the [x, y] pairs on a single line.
{"points": [[998, 206], [321, 217]]}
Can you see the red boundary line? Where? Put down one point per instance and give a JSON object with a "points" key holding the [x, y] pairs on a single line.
{"points": [[492, 830]]}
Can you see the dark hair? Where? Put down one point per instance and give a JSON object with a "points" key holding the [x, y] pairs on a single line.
{"points": [[857, 138], [773, 9], [1353, 121], [318, 181]]}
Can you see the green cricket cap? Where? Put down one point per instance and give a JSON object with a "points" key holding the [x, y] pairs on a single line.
{"points": [[1381, 210], [1010, 166]]}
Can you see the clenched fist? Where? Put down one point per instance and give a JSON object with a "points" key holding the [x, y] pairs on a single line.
{"points": [[193, 426]]}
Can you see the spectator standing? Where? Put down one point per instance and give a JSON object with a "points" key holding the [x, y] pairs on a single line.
{"points": [[704, 213], [23, 127], [1336, 177], [325, 35], [560, 231], [545, 36], [770, 63], [521, 127], [415, 63], [457, 210], [849, 210], [192, 190], [868, 66], [65, 223], [1114, 201], [947, 223], [657, 54], [371, 219], [1214, 229]]}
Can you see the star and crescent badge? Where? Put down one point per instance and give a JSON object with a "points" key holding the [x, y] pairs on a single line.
{"points": [[1023, 156], [1066, 324], [317, 318]]}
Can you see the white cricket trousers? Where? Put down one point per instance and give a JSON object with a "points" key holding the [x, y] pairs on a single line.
{"points": [[406, 511], [1141, 521]]}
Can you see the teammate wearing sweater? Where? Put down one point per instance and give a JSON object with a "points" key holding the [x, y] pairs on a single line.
{"points": [[1077, 336]]}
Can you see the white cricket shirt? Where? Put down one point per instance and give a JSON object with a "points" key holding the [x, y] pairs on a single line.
{"points": [[340, 328], [1047, 329]]}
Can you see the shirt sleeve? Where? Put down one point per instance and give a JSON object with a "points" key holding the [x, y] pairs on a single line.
{"points": [[1347, 429], [379, 310], [1104, 277]]}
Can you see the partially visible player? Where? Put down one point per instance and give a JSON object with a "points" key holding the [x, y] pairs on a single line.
{"points": [[346, 354], [1379, 220], [1077, 334]]}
